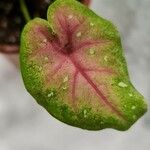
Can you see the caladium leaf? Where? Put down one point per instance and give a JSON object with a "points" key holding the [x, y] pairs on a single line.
{"points": [[73, 65]]}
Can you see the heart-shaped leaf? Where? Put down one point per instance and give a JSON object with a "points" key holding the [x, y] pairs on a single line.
{"points": [[73, 65]]}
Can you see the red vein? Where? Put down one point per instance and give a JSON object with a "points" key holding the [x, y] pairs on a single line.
{"points": [[49, 45], [69, 32], [97, 90], [56, 70], [73, 29], [62, 22], [66, 27], [86, 44], [77, 26], [58, 67], [103, 70]]}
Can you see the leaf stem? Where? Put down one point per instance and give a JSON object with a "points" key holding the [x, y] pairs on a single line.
{"points": [[24, 10]]}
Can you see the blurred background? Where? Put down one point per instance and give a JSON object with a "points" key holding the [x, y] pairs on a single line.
{"points": [[24, 125]]}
